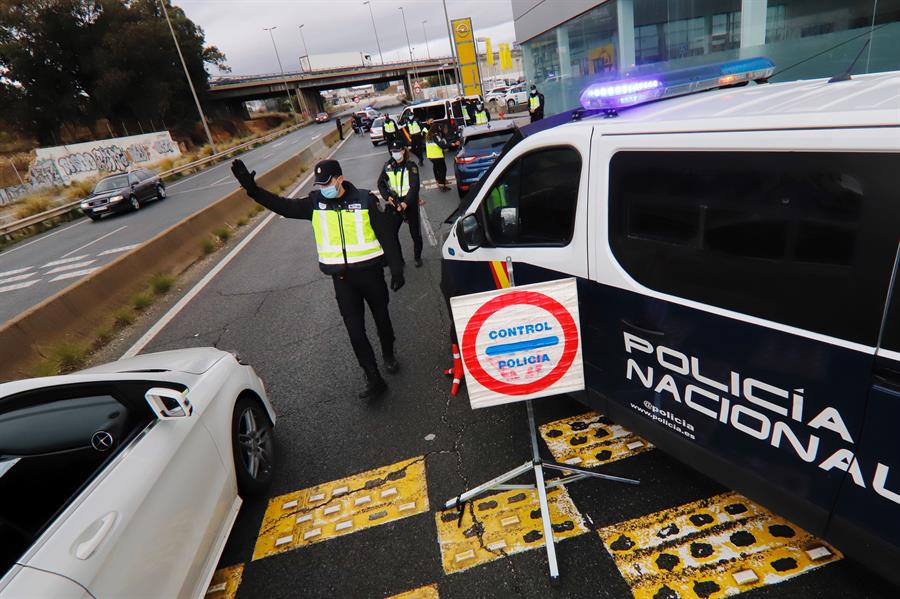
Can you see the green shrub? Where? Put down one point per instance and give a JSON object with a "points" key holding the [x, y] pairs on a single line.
{"points": [[124, 317], [161, 282], [242, 221], [223, 233], [102, 336], [141, 301], [69, 356], [34, 204], [208, 246], [44, 368]]}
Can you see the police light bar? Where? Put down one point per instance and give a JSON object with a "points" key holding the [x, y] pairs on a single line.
{"points": [[610, 95]]}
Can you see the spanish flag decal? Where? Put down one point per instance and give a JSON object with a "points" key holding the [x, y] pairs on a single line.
{"points": [[498, 272]]}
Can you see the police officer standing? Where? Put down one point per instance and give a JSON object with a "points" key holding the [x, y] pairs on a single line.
{"points": [[415, 135], [399, 186], [352, 239], [435, 144], [535, 104], [389, 128], [482, 116]]}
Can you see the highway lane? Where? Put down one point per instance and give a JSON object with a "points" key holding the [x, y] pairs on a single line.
{"points": [[35, 269]]}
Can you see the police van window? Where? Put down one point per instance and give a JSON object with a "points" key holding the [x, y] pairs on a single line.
{"points": [[806, 239], [533, 203]]}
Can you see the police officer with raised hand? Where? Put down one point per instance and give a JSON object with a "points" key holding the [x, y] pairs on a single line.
{"points": [[535, 104], [353, 239], [399, 186]]}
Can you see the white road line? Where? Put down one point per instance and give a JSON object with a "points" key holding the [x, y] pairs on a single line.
{"points": [[66, 261], [426, 225], [160, 324], [317, 137], [95, 241], [278, 144], [15, 272], [220, 180], [269, 155], [17, 278], [18, 286], [124, 248], [25, 245], [70, 275], [66, 267]]}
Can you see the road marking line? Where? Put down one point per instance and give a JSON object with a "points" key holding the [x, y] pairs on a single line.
{"points": [[426, 225], [151, 334], [225, 582], [316, 136], [124, 248], [228, 176], [278, 144], [66, 261], [509, 521], [427, 592], [71, 266], [18, 286], [717, 546], [95, 241], [269, 155], [358, 510], [590, 440], [43, 237], [70, 275], [17, 278], [15, 272]]}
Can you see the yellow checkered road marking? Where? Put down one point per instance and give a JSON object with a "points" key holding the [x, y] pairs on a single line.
{"points": [[426, 592], [343, 507], [504, 523], [225, 582], [711, 548], [589, 440]]}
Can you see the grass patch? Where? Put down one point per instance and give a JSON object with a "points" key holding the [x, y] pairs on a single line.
{"points": [[35, 204], [161, 282], [102, 336], [242, 221], [256, 209], [79, 189], [208, 246], [69, 356], [124, 317], [141, 301], [44, 368], [223, 233]]}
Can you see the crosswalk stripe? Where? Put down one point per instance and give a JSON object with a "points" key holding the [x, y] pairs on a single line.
{"points": [[70, 266], [77, 273], [18, 286], [17, 278], [124, 248], [15, 272], [64, 261]]}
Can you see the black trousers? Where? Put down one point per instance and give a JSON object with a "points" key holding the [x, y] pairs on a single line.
{"points": [[440, 170], [537, 115], [417, 146], [413, 218], [352, 290]]}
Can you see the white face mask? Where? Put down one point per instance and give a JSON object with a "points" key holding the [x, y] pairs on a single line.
{"points": [[397, 156]]}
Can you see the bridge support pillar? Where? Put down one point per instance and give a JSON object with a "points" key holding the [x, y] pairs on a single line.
{"points": [[408, 88], [310, 101]]}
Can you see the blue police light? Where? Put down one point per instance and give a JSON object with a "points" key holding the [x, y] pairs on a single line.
{"points": [[610, 95]]}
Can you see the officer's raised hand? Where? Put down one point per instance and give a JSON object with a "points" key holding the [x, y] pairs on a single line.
{"points": [[245, 178], [397, 281]]}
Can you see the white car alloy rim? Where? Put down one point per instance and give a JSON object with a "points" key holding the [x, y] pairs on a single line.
{"points": [[255, 444]]}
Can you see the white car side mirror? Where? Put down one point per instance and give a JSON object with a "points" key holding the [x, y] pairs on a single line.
{"points": [[168, 403]]}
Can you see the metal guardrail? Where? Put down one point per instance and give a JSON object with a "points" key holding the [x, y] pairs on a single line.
{"points": [[58, 211]]}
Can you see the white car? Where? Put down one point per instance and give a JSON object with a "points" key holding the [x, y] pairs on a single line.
{"points": [[124, 480], [496, 95], [376, 132], [516, 96]]}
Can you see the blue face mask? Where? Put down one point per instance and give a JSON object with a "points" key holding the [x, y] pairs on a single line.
{"points": [[329, 192]]}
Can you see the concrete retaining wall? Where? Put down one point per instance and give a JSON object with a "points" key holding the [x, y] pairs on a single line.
{"points": [[77, 312]]}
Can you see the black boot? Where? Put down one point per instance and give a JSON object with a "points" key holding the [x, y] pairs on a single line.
{"points": [[390, 363], [375, 385], [418, 262]]}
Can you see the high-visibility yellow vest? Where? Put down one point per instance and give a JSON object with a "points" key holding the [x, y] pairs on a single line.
{"points": [[389, 127], [481, 118], [496, 199], [413, 128], [534, 102], [432, 150], [345, 236], [398, 180]]}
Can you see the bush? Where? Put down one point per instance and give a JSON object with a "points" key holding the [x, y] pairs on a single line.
{"points": [[34, 204], [141, 301], [102, 336], [223, 233], [208, 246], [161, 282], [69, 356], [44, 368], [124, 317], [242, 221], [79, 189]]}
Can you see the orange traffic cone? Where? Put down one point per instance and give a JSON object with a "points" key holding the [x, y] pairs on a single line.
{"points": [[456, 372]]}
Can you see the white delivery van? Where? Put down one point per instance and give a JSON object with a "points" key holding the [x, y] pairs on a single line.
{"points": [[736, 253]]}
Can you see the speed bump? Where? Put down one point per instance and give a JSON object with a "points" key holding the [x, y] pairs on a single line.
{"points": [[343, 507], [712, 548], [427, 592], [589, 440], [503, 524], [225, 582]]}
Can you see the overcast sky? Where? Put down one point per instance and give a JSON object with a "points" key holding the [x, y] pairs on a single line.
{"points": [[332, 26]]}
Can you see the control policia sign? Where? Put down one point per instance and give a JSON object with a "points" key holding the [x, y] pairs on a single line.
{"points": [[520, 343]]}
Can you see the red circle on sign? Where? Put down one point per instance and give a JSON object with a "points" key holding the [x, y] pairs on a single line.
{"points": [[533, 298]]}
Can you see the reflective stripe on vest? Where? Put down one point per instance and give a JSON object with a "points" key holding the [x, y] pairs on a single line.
{"points": [[340, 231], [413, 128], [481, 118], [398, 180], [432, 150], [534, 103], [389, 127]]}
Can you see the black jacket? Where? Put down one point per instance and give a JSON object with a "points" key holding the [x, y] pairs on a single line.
{"points": [[540, 108], [303, 208], [384, 185]]}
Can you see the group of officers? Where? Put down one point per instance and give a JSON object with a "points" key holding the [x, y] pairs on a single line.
{"points": [[357, 236]]}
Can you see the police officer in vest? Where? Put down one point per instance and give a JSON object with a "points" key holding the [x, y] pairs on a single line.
{"points": [[435, 144], [353, 238], [399, 186], [482, 116], [390, 130], [535, 104], [415, 134]]}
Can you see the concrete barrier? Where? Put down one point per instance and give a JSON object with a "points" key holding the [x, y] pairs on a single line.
{"points": [[75, 314]]}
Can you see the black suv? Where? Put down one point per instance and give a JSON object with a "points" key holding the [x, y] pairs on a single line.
{"points": [[123, 192]]}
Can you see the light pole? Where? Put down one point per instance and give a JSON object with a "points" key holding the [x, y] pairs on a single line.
{"points": [[425, 35], [375, 29], [459, 88], [408, 45], [283, 79], [305, 49], [212, 144]]}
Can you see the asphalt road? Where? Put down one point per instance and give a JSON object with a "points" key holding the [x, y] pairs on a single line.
{"points": [[35, 269], [273, 305]]}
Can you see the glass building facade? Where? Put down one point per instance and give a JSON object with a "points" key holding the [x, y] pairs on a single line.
{"points": [[805, 38]]}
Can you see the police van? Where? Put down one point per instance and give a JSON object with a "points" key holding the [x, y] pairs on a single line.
{"points": [[736, 253]]}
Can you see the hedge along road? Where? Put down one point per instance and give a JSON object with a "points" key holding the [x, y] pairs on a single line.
{"points": [[37, 268]]}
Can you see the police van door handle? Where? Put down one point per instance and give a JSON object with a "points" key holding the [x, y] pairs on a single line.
{"points": [[631, 325]]}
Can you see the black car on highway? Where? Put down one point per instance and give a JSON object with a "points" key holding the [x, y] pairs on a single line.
{"points": [[123, 192]]}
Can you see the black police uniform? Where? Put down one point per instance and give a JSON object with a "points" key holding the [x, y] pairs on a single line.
{"points": [[537, 114], [390, 136], [411, 214], [354, 283]]}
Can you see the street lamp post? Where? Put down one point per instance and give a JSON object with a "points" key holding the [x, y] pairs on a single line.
{"points": [[408, 45], [459, 88], [425, 35], [190, 83], [375, 29], [278, 58], [305, 49]]}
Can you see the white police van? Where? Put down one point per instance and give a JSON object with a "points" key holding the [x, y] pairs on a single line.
{"points": [[735, 252]]}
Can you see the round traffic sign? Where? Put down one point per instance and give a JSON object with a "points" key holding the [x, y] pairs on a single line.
{"points": [[512, 346]]}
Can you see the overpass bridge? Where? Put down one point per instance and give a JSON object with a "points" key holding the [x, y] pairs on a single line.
{"points": [[230, 93]]}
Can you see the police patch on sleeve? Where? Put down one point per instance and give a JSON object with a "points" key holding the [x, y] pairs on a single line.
{"points": [[354, 206], [322, 206]]}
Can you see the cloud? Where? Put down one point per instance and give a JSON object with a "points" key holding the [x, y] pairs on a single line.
{"points": [[336, 26]]}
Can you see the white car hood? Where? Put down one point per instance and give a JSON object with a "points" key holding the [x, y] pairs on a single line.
{"points": [[192, 361]]}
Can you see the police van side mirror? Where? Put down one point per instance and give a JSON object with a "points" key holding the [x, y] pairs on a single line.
{"points": [[469, 233]]}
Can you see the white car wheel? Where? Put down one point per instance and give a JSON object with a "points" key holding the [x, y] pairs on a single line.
{"points": [[254, 447]]}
